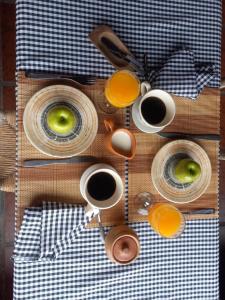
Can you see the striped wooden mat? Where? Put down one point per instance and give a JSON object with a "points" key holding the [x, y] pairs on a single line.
{"points": [[60, 182], [202, 116]]}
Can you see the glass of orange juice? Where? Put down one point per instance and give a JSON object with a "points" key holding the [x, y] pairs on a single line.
{"points": [[164, 218], [122, 88]]}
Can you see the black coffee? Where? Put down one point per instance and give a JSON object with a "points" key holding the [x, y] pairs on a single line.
{"points": [[101, 186], [153, 110]]}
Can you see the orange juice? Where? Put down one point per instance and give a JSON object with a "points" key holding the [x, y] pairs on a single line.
{"points": [[166, 220], [122, 88]]}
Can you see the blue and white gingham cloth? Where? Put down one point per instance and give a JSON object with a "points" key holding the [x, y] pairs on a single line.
{"points": [[53, 35], [180, 269], [55, 257], [179, 75]]}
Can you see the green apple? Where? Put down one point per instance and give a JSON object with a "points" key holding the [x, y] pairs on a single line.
{"points": [[187, 170], [61, 120]]}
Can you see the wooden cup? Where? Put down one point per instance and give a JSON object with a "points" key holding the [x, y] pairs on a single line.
{"points": [[115, 140], [122, 245]]}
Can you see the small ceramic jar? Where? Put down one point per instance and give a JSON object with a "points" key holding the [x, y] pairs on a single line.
{"points": [[122, 245]]}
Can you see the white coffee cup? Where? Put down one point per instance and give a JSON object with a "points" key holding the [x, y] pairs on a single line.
{"points": [[168, 101], [94, 206]]}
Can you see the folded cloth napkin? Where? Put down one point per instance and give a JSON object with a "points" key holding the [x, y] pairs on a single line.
{"points": [[181, 76], [58, 226]]}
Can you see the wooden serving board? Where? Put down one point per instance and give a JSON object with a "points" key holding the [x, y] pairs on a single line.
{"points": [[105, 31], [202, 116], [61, 182]]}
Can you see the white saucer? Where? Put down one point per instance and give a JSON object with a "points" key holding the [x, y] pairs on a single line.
{"points": [[138, 122]]}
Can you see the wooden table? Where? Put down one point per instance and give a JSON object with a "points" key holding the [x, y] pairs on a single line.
{"points": [[60, 183]]}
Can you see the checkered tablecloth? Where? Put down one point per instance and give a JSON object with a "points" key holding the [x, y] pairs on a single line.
{"points": [[184, 268], [53, 35]]}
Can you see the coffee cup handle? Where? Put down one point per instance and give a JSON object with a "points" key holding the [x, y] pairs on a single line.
{"points": [[145, 87], [91, 211]]}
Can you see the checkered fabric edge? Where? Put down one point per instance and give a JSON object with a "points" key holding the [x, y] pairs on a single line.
{"points": [[48, 38], [180, 76], [54, 228], [183, 268]]}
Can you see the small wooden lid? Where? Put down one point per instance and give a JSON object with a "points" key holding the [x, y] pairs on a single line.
{"points": [[125, 249], [122, 245]]}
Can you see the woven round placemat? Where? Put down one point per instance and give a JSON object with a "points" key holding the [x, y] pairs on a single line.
{"points": [[166, 184], [35, 129]]}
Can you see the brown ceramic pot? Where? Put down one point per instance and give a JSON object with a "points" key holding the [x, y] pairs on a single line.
{"points": [[122, 245]]}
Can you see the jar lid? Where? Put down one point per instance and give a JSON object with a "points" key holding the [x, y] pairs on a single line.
{"points": [[125, 249]]}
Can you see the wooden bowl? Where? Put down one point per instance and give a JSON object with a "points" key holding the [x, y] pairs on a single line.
{"points": [[165, 183], [55, 146]]}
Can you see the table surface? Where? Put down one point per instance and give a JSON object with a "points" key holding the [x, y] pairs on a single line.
{"points": [[199, 248], [8, 97]]}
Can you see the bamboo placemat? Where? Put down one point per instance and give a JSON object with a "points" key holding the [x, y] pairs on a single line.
{"points": [[202, 116], [7, 151], [60, 183]]}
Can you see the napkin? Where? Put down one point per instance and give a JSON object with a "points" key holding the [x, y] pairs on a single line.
{"points": [[54, 227], [181, 76]]}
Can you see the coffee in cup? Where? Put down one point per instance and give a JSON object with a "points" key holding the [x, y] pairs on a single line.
{"points": [[102, 187], [154, 110]]}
